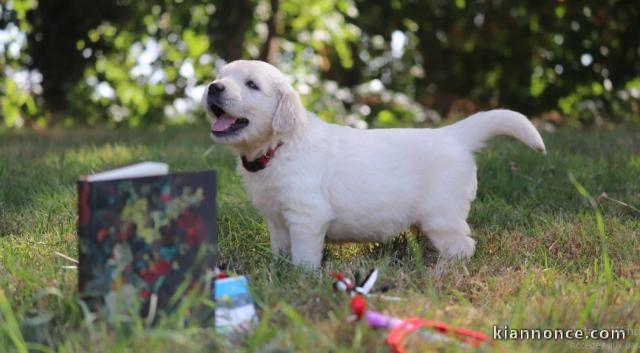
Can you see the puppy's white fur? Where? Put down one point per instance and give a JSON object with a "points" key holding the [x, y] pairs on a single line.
{"points": [[336, 183]]}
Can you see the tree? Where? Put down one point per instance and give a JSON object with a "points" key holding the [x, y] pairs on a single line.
{"points": [[59, 46]]}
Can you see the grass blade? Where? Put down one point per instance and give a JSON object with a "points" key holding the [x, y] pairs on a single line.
{"points": [[10, 325]]}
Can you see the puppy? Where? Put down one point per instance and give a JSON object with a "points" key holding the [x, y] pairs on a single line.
{"points": [[317, 182]]}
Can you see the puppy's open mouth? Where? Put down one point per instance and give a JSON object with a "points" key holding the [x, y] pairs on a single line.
{"points": [[226, 124]]}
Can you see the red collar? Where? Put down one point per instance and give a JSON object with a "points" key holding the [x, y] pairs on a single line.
{"points": [[260, 162]]}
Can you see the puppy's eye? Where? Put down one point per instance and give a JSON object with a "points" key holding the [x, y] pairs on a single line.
{"points": [[252, 85]]}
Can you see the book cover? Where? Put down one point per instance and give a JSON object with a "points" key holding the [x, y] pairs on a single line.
{"points": [[143, 238]]}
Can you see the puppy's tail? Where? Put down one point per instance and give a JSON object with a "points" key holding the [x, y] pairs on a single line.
{"points": [[477, 129]]}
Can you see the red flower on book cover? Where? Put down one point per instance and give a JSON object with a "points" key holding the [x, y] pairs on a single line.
{"points": [[158, 269], [166, 197], [162, 267], [126, 231], [149, 276], [194, 227], [102, 234]]}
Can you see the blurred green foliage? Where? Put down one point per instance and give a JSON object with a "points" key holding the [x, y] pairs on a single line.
{"points": [[359, 62]]}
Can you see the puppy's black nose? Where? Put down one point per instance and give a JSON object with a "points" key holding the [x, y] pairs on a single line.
{"points": [[215, 88]]}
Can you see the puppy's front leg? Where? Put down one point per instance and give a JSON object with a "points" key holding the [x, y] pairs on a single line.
{"points": [[280, 240], [307, 243]]}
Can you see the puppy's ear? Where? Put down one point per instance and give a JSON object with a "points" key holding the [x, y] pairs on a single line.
{"points": [[289, 110]]}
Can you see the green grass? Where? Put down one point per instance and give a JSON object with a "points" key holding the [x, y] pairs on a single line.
{"points": [[545, 258]]}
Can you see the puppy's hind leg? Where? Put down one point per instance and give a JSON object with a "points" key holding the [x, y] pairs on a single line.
{"points": [[448, 231], [443, 215], [453, 243]]}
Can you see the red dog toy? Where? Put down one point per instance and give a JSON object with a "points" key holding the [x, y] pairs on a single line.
{"points": [[399, 328]]}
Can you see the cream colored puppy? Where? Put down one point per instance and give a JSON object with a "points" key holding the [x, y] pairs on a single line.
{"points": [[317, 182]]}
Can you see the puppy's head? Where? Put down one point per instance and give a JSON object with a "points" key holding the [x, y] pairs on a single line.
{"points": [[249, 102]]}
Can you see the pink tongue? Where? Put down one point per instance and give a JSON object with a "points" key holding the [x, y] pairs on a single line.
{"points": [[223, 123]]}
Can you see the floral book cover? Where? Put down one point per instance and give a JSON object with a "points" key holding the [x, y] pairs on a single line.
{"points": [[147, 240]]}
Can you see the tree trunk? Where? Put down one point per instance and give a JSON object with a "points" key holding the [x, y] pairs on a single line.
{"points": [[55, 101], [228, 30], [269, 52]]}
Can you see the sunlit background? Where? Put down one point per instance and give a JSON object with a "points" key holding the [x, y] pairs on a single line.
{"points": [[365, 63]]}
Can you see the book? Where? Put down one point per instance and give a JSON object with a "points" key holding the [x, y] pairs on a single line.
{"points": [[144, 236]]}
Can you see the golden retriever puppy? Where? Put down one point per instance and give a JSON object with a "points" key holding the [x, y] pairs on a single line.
{"points": [[316, 182]]}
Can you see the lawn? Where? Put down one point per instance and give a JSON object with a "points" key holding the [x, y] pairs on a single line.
{"points": [[545, 258]]}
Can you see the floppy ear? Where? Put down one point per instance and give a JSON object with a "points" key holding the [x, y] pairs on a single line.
{"points": [[289, 110]]}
